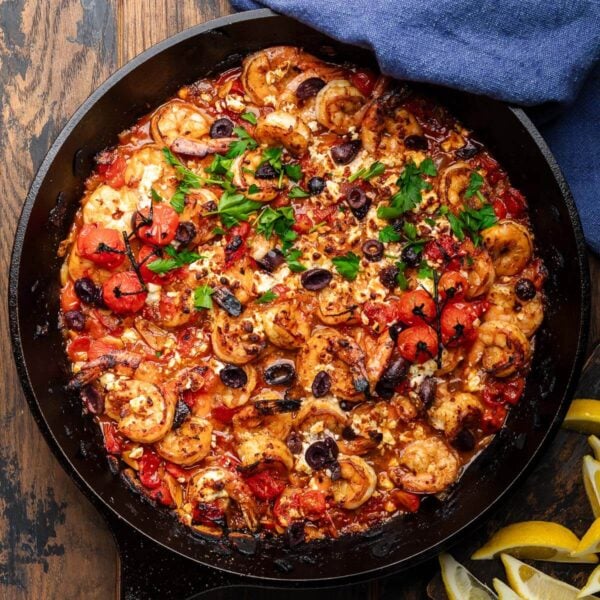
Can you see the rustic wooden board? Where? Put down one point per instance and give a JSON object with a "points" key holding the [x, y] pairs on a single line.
{"points": [[53, 544]]}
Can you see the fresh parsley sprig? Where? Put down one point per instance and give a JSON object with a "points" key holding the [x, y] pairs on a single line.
{"points": [[377, 168], [389, 234], [474, 188], [234, 208], [347, 265], [245, 142], [250, 117], [292, 257], [267, 297], [174, 261], [202, 297], [279, 221], [470, 221]]}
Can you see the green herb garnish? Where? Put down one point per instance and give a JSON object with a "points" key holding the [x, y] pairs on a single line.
{"points": [[347, 266], [279, 221], [267, 297], [401, 276], [377, 168], [470, 221], [298, 192], [250, 117], [291, 256], [388, 234], [245, 142], [475, 183], [202, 297], [174, 261], [234, 208]]}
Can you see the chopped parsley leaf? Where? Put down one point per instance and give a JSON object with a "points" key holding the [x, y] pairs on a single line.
{"points": [[377, 168], [250, 117], [347, 266], [293, 171], [245, 142], [425, 271], [278, 221], [298, 192], [291, 256], [202, 297], [475, 183], [156, 197], [401, 276], [174, 261], [389, 234], [234, 208], [267, 297], [471, 221]]}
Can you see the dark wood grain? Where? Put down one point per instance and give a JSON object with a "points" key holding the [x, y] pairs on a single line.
{"points": [[53, 544]]}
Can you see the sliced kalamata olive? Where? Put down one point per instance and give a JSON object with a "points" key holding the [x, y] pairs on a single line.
{"points": [[271, 260], [525, 289], [321, 384], [315, 185], [281, 372], [182, 412], [295, 534], [332, 446], [464, 440], [233, 377], [391, 377], [75, 320], [411, 256], [87, 291], [265, 171], [93, 399], [416, 142], [345, 153], [321, 454], [227, 301], [427, 391], [469, 150], [316, 279], [309, 87], [221, 128], [349, 434], [185, 233], [294, 442], [372, 250], [358, 202], [389, 277], [395, 330]]}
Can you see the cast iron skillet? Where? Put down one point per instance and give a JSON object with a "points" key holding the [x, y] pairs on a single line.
{"points": [[134, 90]]}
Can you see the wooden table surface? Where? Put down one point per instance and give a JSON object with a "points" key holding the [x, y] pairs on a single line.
{"points": [[53, 53]]}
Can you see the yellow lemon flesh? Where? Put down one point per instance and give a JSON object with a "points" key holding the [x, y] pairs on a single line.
{"points": [[504, 592], [536, 540], [592, 585], [594, 443], [460, 584], [583, 416], [590, 542], [591, 482], [535, 585]]}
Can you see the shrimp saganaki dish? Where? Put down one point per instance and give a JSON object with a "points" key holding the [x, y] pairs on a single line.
{"points": [[298, 298]]}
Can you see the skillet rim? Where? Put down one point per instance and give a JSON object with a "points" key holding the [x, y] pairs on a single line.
{"points": [[81, 481]]}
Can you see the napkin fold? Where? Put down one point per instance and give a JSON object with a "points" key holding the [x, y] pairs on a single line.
{"points": [[542, 54]]}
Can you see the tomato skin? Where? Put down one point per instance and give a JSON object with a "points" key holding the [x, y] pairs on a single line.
{"points": [[99, 348], [452, 286], [265, 486], [514, 202], [493, 418], [406, 500], [325, 214], [148, 473], [145, 258], [224, 414], [497, 393], [162, 494], [383, 314], [364, 81], [418, 343], [77, 349], [416, 307], [177, 471], [68, 298], [443, 248], [161, 231], [207, 513], [112, 440], [312, 504], [126, 283], [92, 236], [499, 208], [457, 324], [114, 173], [236, 247], [287, 508], [303, 223]]}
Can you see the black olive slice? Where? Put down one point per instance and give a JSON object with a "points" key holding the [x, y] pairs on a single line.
{"points": [[186, 232], [309, 87], [358, 202], [345, 153], [316, 279], [182, 411], [75, 320], [315, 185], [281, 372], [391, 377], [271, 260], [233, 377], [93, 399], [221, 128], [525, 290], [416, 142], [265, 171], [427, 391], [227, 301], [321, 384], [372, 250], [411, 256]]}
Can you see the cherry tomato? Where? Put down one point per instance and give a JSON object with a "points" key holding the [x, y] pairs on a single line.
{"points": [[493, 418], [100, 348], [312, 504], [287, 507], [176, 471], [161, 230], [457, 324], [303, 223], [383, 314], [325, 214], [112, 440], [68, 298], [103, 246], [416, 307], [499, 208], [146, 256], [452, 285], [364, 81], [223, 413], [513, 390], [418, 343], [123, 293], [514, 202], [78, 348], [113, 173], [162, 494], [443, 248], [148, 472], [406, 500], [493, 174], [265, 486], [500, 392]]}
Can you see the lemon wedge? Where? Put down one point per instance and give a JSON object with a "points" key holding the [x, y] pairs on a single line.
{"points": [[460, 584], [592, 585], [535, 585], [583, 416], [590, 542], [537, 540], [504, 592], [594, 443], [591, 481]]}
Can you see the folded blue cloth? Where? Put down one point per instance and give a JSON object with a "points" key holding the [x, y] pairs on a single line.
{"points": [[527, 52]]}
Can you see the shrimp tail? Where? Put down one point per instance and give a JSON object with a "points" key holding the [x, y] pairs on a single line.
{"points": [[93, 369]]}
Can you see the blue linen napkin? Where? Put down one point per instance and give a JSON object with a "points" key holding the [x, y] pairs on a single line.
{"points": [[535, 53]]}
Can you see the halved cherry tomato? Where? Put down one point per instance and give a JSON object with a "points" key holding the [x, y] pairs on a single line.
{"points": [[162, 494], [443, 248], [499, 208], [383, 314], [68, 298], [146, 256], [500, 392], [325, 214], [265, 485], [364, 81], [223, 413], [416, 307], [418, 344], [514, 390], [78, 348], [452, 285], [493, 174], [287, 507], [113, 173], [103, 246], [112, 440], [312, 504], [457, 324], [123, 293], [493, 418], [406, 500], [148, 472], [159, 231], [100, 348], [514, 202], [303, 223]]}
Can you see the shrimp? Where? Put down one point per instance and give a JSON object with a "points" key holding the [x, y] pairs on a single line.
{"points": [[386, 123], [506, 306], [480, 273], [194, 380], [280, 128], [337, 305], [356, 484], [179, 119], [197, 204], [341, 357], [510, 246], [236, 397], [266, 72], [147, 169], [187, 444], [263, 449], [452, 186], [92, 370], [450, 411], [143, 411], [339, 106], [501, 348], [215, 485], [286, 326], [200, 149], [367, 423], [110, 208], [250, 421], [176, 305], [244, 168], [378, 352], [425, 466], [238, 340], [451, 358], [319, 415]]}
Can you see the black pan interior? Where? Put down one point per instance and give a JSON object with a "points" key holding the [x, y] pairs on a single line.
{"points": [[51, 203]]}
